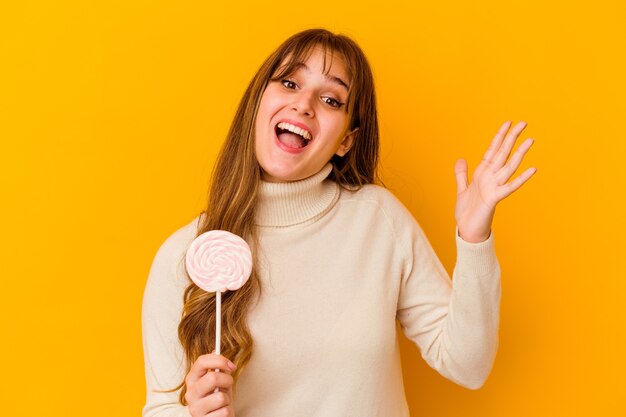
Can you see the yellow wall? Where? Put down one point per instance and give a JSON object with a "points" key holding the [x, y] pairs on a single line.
{"points": [[112, 112]]}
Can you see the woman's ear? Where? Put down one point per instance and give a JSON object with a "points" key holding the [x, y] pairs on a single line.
{"points": [[346, 143]]}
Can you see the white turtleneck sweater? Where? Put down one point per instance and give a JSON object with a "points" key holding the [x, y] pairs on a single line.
{"points": [[338, 269]]}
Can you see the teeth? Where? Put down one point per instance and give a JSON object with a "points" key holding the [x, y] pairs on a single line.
{"points": [[295, 129]]}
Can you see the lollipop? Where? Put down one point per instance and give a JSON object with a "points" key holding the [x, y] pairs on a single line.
{"points": [[218, 261]]}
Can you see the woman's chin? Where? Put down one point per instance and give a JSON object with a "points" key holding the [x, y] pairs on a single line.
{"points": [[281, 170]]}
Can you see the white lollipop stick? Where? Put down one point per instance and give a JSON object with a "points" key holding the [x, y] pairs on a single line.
{"points": [[218, 261], [218, 327]]}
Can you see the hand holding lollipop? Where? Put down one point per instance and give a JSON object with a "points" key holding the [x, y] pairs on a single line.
{"points": [[218, 261]]}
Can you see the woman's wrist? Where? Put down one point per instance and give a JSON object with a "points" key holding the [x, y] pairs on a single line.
{"points": [[474, 237]]}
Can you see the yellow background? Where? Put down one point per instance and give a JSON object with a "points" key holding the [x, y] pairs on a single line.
{"points": [[112, 113]]}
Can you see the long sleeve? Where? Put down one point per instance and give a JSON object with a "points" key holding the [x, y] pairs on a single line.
{"points": [[165, 363], [453, 323]]}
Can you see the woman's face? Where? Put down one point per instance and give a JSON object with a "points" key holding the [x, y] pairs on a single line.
{"points": [[302, 120]]}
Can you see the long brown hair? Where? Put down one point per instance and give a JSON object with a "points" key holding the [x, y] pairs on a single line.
{"points": [[235, 182]]}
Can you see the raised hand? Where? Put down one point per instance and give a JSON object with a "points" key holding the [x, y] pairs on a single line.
{"points": [[476, 202]]}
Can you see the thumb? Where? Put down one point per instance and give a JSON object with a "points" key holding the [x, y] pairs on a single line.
{"points": [[460, 171]]}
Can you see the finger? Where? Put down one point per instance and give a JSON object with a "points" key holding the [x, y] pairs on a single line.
{"points": [[496, 141], [510, 167], [211, 381], [204, 363], [210, 403], [509, 188], [505, 150], [460, 171]]}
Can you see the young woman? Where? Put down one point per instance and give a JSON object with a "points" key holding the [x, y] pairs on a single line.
{"points": [[338, 259]]}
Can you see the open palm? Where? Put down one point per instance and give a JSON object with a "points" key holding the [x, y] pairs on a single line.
{"points": [[476, 202]]}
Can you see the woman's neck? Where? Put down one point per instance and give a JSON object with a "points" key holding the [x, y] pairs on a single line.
{"points": [[284, 204]]}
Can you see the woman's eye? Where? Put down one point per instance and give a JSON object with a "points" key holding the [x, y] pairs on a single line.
{"points": [[334, 103], [289, 84], [328, 100]]}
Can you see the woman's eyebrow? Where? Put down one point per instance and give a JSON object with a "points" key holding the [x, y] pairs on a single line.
{"points": [[329, 77]]}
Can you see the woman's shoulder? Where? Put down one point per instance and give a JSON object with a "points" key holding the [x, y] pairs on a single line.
{"points": [[173, 248], [180, 238], [167, 279], [384, 198], [369, 192]]}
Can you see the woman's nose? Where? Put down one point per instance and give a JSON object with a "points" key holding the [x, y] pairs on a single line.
{"points": [[303, 103]]}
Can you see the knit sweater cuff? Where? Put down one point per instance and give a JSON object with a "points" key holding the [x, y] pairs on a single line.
{"points": [[475, 258]]}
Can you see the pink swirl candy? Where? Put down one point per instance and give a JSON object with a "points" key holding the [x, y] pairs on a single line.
{"points": [[218, 260]]}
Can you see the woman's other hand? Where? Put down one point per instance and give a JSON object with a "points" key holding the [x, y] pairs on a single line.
{"points": [[202, 383], [476, 202]]}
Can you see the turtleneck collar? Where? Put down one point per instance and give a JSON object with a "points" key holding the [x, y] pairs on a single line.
{"points": [[283, 204]]}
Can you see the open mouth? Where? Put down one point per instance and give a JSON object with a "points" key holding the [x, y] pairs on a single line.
{"points": [[292, 136]]}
